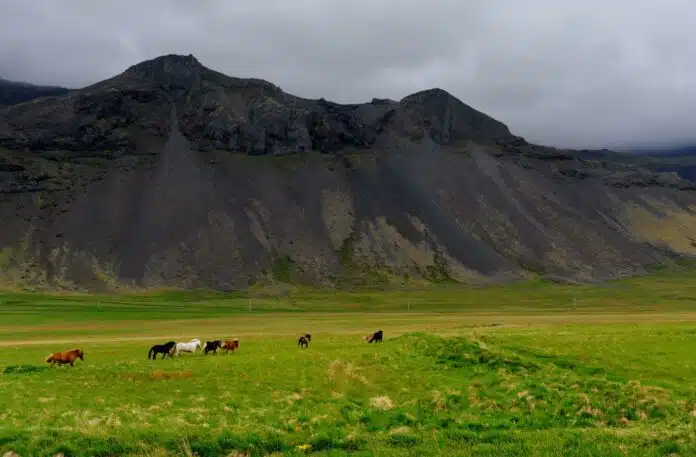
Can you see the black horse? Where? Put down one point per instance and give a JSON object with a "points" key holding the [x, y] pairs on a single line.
{"points": [[166, 349], [212, 346], [377, 337], [303, 341]]}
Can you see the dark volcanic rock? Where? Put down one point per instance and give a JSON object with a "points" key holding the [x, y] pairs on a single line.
{"points": [[447, 120], [172, 72], [220, 112]]}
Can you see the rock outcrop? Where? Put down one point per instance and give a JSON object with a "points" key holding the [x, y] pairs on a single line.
{"points": [[172, 174]]}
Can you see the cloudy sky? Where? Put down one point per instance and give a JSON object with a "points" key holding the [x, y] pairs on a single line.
{"points": [[589, 73]]}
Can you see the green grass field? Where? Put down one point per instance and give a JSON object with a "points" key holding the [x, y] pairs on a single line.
{"points": [[531, 369]]}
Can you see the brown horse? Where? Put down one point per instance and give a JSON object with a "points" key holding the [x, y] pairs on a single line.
{"points": [[61, 358], [228, 346]]}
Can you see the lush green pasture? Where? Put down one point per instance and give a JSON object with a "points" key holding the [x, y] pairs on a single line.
{"points": [[534, 369]]}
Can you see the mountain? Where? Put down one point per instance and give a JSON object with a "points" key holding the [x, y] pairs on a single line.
{"points": [[172, 174], [681, 151], [679, 160], [12, 92]]}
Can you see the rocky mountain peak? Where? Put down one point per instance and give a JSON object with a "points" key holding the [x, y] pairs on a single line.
{"points": [[449, 120], [172, 71], [433, 93]]}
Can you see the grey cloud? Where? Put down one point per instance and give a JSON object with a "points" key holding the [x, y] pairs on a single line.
{"points": [[582, 74]]}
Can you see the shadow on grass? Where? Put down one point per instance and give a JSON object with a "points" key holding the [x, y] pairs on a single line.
{"points": [[24, 369]]}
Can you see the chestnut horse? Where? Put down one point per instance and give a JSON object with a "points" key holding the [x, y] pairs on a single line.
{"points": [[61, 358], [230, 345]]}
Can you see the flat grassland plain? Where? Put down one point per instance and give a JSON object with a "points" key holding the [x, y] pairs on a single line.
{"points": [[530, 369]]}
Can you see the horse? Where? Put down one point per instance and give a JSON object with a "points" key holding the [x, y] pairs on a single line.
{"points": [[232, 345], [212, 346], [61, 358], [377, 337], [304, 340], [191, 346], [166, 349]]}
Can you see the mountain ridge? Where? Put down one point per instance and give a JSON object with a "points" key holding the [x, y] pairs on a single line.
{"points": [[14, 92], [160, 176], [247, 115]]}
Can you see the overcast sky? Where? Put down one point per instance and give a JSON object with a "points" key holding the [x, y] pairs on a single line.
{"points": [[588, 73]]}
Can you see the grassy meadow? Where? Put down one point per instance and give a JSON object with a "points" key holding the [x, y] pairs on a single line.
{"points": [[529, 369]]}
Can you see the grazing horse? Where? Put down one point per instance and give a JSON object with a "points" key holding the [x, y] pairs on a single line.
{"points": [[212, 346], [166, 349], [61, 358], [303, 341], [191, 346], [228, 346], [377, 337]]}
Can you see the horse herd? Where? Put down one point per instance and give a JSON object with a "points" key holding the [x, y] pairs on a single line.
{"points": [[173, 348]]}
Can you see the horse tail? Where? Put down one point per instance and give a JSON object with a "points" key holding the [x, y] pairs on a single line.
{"points": [[152, 349], [48, 357]]}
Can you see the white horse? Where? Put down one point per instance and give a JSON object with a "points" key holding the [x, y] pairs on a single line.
{"points": [[191, 346]]}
